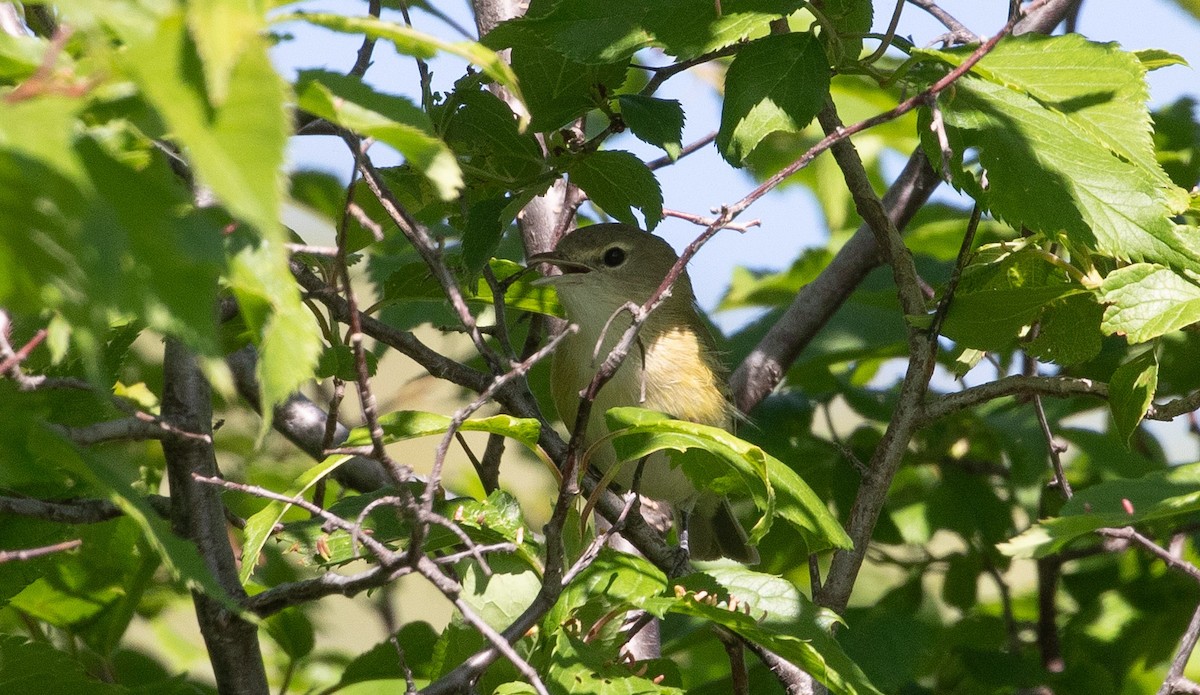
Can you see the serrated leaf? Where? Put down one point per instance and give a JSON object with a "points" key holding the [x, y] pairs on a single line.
{"points": [[609, 32], [1069, 331], [1146, 301], [1061, 128], [237, 147], [1002, 291], [574, 663], [1131, 391], [775, 488], [558, 89], [1169, 495], [483, 130], [658, 122], [775, 84], [221, 30], [394, 120], [816, 652], [409, 41], [1155, 58], [483, 232], [617, 182]]}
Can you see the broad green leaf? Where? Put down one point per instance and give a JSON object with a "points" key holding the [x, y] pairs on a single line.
{"points": [[1131, 391], [394, 120], [260, 525], [1147, 300], [658, 122], [786, 609], [614, 581], [482, 233], [413, 281], [409, 41], [20, 56], [1001, 292], [1177, 141], [617, 182], [574, 664], [483, 131], [287, 335], [557, 89], [37, 667], [180, 557], [740, 466], [1067, 119], [777, 83], [1069, 331], [500, 597], [851, 19], [815, 650], [292, 631], [236, 147], [1169, 495], [408, 424], [221, 30], [609, 32], [380, 662]]}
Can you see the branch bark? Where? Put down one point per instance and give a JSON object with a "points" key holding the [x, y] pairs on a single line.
{"points": [[198, 515]]}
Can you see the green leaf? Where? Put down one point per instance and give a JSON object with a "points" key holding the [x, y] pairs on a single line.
{"points": [[1066, 118], [409, 41], [408, 424], [1177, 141], [617, 182], [1069, 331], [20, 56], [574, 663], [483, 131], [287, 335], [615, 581], [851, 19], [609, 32], [380, 662], [37, 667], [482, 233], [806, 643], [221, 30], [1156, 58], [658, 122], [1131, 391], [1147, 300], [352, 104], [777, 83], [775, 488], [292, 631], [1168, 496], [558, 89], [180, 557], [260, 525], [237, 146], [1002, 291], [413, 281]]}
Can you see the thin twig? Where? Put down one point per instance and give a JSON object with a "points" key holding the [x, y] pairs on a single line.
{"points": [[363, 60], [957, 28], [30, 553]]}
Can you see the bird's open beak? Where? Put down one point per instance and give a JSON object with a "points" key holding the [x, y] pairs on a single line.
{"points": [[567, 267]]}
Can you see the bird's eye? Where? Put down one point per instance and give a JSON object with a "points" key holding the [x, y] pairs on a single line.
{"points": [[614, 257]]}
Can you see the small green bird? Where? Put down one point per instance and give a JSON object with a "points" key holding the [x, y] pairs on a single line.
{"points": [[673, 368]]}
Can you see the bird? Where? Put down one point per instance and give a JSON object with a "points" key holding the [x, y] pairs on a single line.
{"points": [[674, 368]]}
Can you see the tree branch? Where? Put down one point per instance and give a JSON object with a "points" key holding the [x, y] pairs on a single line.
{"points": [[198, 515]]}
